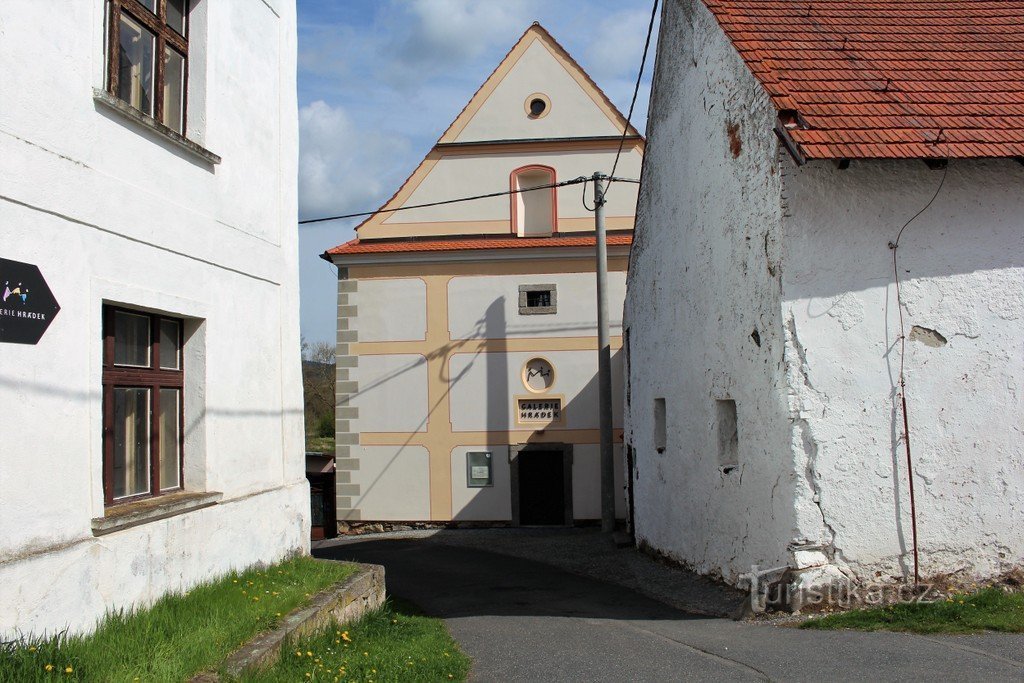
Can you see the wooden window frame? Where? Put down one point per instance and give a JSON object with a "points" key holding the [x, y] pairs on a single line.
{"points": [[154, 378], [165, 35]]}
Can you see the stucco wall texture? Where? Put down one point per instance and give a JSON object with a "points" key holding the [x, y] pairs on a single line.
{"points": [[113, 213], [771, 285]]}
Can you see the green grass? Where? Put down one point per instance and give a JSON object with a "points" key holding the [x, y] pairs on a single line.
{"points": [[396, 643], [990, 609], [320, 444], [178, 636]]}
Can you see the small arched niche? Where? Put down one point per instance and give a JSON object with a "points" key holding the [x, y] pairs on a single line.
{"points": [[533, 210]]}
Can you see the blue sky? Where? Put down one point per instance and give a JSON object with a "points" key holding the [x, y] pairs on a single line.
{"points": [[380, 80]]}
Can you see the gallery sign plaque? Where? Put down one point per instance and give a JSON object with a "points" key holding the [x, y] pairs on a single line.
{"points": [[540, 410], [27, 306]]}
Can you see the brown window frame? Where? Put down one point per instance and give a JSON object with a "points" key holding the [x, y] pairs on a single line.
{"points": [[165, 35], [153, 378]]}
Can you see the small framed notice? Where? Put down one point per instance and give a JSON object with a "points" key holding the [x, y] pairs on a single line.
{"points": [[479, 470]]}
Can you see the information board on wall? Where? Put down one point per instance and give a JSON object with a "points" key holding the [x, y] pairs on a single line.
{"points": [[27, 306]]}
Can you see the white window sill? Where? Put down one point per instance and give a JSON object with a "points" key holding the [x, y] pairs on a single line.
{"points": [[120, 517], [149, 123]]}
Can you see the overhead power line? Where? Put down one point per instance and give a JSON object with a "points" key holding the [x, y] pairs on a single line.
{"points": [[636, 90], [574, 181]]}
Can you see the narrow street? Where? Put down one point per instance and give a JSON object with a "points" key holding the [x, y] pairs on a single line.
{"points": [[522, 620]]}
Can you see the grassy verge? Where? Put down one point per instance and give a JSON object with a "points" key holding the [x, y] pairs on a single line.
{"points": [[179, 635], [320, 444], [396, 643], [991, 609]]}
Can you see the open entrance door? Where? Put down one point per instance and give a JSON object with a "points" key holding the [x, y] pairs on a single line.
{"points": [[542, 485]]}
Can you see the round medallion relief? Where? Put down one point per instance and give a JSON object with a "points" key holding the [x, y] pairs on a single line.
{"points": [[538, 375]]}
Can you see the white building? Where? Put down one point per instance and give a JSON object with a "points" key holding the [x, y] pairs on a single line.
{"points": [[788, 146], [152, 438], [467, 335]]}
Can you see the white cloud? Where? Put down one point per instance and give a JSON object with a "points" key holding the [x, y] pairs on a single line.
{"points": [[343, 168], [438, 35], [618, 45]]}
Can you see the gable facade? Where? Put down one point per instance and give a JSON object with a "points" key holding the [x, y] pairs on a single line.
{"points": [[467, 332]]}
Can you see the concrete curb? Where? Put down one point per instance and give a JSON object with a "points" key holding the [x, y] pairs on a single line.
{"points": [[342, 603]]}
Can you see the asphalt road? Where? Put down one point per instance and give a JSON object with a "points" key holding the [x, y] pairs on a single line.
{"points": [[522, 620]]}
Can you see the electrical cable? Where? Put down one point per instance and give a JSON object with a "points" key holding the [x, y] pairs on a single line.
{"points": [[574, 181], [636, 90], [894, 245]]}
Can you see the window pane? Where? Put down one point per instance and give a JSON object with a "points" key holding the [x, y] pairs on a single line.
{"points": [[149, 4], [176, 15], [131, 442], [170, 350], [135, 65], [170, 453], [174, 89], [131, 339]]}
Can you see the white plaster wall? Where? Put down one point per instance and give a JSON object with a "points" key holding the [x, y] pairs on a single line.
{"points": [[572, 112], [111, 212], [586, 482], [392, 483], [392, 310], [483, 387], [962, 270], [702, 278], [466, 175], [392, 393], [492, 503], [487, 307]]}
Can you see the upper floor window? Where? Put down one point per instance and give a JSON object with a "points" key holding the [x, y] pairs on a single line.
{"points": [[534, 211], [147, 57]]}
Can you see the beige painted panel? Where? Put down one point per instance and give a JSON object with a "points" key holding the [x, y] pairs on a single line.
{"points": [[484, 387], [572, 112], [488, 306], [392, 394], [465, 175], [586, 482], [393, 483], [392, 310], [484, 504]]}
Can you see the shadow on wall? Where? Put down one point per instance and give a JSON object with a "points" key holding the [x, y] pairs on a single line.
{"points": [[492, 328]]}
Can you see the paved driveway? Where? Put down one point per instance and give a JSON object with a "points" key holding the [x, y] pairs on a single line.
{"points": [[522, 620]]}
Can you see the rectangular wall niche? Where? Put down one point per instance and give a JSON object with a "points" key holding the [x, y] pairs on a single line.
{"points": [[659, 425], [538, 299], [728, 435], [479, 470]]}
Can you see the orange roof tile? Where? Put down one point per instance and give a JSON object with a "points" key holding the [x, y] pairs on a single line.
{"points": [[874, 79], [466, 243]]}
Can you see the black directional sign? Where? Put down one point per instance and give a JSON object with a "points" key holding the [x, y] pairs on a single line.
{"points": [[27, 306]]}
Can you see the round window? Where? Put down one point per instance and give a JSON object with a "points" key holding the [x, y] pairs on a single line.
{"points": [[538, 375], [537, 105]]}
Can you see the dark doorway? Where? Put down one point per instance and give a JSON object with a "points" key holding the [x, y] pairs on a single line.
{"points": [[543, 488]]}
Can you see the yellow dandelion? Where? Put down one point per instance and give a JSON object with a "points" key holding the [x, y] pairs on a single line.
{"points": [[309, 653], [366, 654], [278, 614], [336, 640], [31, 648], [48, 667], [68, 670], [308, 675], [298, 654], [234, 580], [256, 599], [344, 636]]}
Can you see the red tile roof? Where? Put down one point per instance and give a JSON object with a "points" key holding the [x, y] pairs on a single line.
{"points": [[892, 79], [467, 243]]}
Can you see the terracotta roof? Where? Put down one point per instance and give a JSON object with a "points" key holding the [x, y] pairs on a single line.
{"points": [[466, 243], [880, 79]]}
